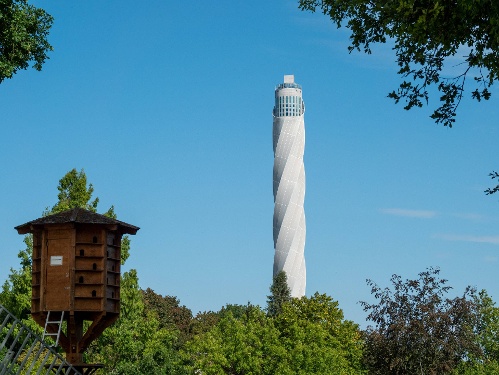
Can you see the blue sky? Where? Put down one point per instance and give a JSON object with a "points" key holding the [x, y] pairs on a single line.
{"points": [[167, 106]]}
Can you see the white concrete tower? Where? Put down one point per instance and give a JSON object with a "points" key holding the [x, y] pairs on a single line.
{"points": [[289, 184]]}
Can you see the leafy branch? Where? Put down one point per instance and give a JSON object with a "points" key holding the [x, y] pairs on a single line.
{"points": [[493, 190], [426, 34]]}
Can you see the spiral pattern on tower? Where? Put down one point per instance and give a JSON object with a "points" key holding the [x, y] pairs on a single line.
{"points": [[289, 184]]}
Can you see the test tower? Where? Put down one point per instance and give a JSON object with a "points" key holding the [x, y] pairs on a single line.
{"points": [[289, 184]]}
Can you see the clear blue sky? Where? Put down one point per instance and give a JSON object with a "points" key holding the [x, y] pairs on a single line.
{"points": [[167, 107]]}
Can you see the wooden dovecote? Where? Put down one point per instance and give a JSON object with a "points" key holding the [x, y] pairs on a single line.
{"points": [[76, 271]]}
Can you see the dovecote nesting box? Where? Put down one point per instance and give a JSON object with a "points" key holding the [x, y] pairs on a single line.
{"points": [[76, 274]]}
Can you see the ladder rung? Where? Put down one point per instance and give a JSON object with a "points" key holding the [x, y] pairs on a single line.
{"points": [[56, 322]]}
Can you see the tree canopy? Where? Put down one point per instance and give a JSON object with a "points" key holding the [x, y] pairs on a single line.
{"points": [[23, 37], [74, 191], [170, 313], [426, 34], [417, 330], [488, 326], [317, 339], [487, 337], [309, 336], [136, 343]]}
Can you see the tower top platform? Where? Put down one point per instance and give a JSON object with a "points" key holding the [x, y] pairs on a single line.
{"points": [[289, 83]]}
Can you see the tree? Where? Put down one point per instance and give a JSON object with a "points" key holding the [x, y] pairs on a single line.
{"points": [[171, 314], [425, 35], [488, 327], [279, 294], [136, 343], [74, 192], [417, 330], [236, 346], [237, 311], [309, 336], [317, 339], [16, 290], [487, 338], [203, 322], [23, 37]]}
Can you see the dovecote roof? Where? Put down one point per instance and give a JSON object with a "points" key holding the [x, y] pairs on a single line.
{"points": [[76, 216]]}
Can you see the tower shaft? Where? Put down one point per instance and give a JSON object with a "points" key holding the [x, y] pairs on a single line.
{"points": [[289, 185]]}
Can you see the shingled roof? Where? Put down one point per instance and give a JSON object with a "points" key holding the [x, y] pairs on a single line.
{"points": [[77, 216]]}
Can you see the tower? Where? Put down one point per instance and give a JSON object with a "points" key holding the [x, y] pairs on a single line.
{"points": [[289, 184]]}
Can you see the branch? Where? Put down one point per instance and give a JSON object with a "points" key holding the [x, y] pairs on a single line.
{"points": [[489, 191]]}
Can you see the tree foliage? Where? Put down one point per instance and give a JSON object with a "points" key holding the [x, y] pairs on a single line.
{"points": [[236, 346], [237, 311], [23, 37], [203, 322], [317, 339], [16, 290], [417, 330], [136, 343], [426, 34], [309, 336], [171, 315], [74, 191], [477, 368], [487, 331], [279, 294], [488, 326]]}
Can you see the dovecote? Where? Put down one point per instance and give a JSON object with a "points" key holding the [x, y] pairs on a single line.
{"points": [[76, 272]]}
